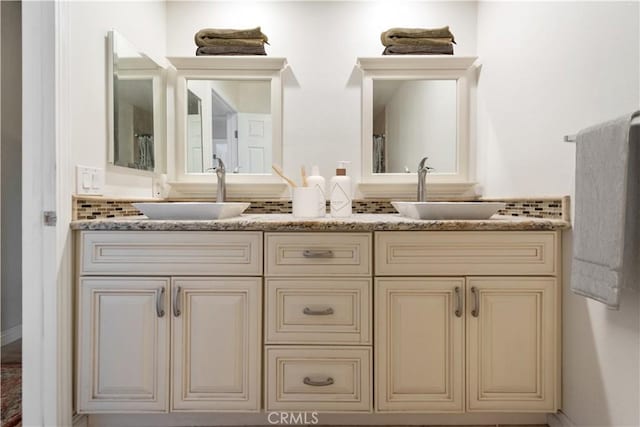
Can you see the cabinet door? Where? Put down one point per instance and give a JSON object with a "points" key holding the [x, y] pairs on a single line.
{"points": [[419, 345], [123, 345], [216, 344], [512, 344]]}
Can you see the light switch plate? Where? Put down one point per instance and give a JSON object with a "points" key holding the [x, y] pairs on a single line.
{"points": [[89, 181]]}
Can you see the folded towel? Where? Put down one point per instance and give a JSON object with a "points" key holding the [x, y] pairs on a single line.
{"points": [[606, 230], [415, 41], [204, 36], [418, 50], [430, 33], [230, 50], [232, 42]]}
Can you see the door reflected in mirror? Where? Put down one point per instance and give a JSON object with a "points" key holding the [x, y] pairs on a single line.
{"points": [[413, 119], [230, 120], [134, 97]]}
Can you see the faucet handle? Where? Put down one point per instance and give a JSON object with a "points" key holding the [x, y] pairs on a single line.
{"points": [[422, 162], [422, 166]]}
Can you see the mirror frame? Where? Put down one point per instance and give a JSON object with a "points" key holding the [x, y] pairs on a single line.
{"points": [[159, 113], [436, 67], [224, 68]]}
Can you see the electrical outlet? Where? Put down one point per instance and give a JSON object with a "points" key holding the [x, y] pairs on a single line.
{"points": [[89, 180]]}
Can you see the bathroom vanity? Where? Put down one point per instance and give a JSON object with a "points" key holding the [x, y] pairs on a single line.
{"points": [[368, 313]]}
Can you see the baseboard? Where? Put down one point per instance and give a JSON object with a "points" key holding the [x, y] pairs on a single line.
{"points": [[324, 419], [11, 335], [559, 419]]}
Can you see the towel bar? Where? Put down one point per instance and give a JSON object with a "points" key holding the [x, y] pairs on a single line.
{"points": [[572, 138]]}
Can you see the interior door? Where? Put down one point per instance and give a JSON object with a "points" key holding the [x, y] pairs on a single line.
{"points": [[254, 142], [194, 143], [419, 346]]}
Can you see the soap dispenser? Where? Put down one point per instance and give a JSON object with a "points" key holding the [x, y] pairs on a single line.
{"points": [[317, 181], [340, 192]]}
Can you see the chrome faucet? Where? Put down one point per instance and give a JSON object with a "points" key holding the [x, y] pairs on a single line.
{"points": [[221, 173], [422, 175]]}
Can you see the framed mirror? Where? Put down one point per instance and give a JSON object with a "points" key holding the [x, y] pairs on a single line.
{"points": [[415, 107], [228, 108], [135, 106]]}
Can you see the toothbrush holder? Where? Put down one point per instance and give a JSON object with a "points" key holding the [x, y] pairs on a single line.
{"points": [[305, 202]]}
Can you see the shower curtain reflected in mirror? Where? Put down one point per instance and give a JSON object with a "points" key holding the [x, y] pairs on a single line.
{"points": [[144, 155], [379, 160]]}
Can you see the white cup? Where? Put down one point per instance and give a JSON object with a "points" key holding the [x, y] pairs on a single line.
{"points": [[306, 201]]}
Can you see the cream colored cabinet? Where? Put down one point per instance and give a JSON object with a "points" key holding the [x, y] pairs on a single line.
{"points": [[508, 332], [419, 358], [461, 322], [158, 344], [123, 345], [318, 301], [217, 345], [512, 341]]}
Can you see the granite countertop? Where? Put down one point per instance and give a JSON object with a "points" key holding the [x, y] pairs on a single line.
{"points": [[357, 222]]}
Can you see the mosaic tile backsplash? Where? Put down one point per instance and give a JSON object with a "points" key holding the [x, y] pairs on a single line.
{"points": [[536, 208], [98, 208]]}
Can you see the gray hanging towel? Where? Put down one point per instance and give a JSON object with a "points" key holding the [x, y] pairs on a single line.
{"points": [[606, 230]]}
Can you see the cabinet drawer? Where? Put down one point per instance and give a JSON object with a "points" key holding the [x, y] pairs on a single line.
{"points": [[318, 254], [171, 253], [322, 311], [466, 253], [329, 379]]}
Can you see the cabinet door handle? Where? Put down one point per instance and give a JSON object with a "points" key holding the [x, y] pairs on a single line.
{"points": [[159, 302], [458, 302], [476, 302], [326, 312], [323, 383], [314, 253], [176, 304]]}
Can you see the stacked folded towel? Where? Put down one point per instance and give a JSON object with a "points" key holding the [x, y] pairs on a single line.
{"points": [[418, 41], [217, 41]]}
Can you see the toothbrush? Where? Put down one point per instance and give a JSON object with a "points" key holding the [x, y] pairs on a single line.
{"points": [[278, 170], [304, 176]]}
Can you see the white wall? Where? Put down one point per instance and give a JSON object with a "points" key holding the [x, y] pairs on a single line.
{"points": [[550, 69], [11, 170], [143, 24], [321, 41]]}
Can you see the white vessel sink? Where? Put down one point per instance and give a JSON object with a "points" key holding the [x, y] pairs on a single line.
{"points": [[448, 210], [191, 210]]}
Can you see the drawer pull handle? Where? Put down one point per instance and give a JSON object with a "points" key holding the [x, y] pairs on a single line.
{"points": [[176, 303], [458, 302], [159, 302], [476, 302], [326, 312], [311, 253], [309, 381]]}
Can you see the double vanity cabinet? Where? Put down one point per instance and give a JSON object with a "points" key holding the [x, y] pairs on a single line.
{"points": [[345, 321]]}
